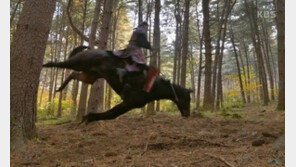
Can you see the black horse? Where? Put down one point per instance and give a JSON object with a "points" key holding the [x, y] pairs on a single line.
{"points": [[91, 64]]}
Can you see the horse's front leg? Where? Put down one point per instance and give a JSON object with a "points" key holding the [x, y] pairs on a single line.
{"points": [[110, 114]]}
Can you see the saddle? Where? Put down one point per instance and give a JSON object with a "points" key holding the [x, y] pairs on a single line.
{"points": [[132, 67]]}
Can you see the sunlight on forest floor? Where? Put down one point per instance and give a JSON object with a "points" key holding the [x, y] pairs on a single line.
{"points": [[254, 138]]}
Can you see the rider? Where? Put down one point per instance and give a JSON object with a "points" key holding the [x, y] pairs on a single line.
{"points": [[134, 52]]}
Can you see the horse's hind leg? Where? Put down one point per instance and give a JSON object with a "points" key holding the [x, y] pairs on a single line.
{"points": [[80, 76], [73, 75]]}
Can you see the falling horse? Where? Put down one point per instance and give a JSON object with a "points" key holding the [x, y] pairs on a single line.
{"points": [[91, 64]]}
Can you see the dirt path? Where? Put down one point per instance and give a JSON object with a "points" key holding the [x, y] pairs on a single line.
{"points": [[162, 140]]}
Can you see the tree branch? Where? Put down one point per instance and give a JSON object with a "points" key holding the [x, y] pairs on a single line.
{"points": [[72, 25]]}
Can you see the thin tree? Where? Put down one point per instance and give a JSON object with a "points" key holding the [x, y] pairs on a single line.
{"points": [[156, 46], [185, 43], [192, 72], [96, 98], [220, 23], [61, 94], [44, 84], [267, 56], [140, 12], [248, 78], [53, 54], [208, 55], [238, 66], [251, 13], [280, 21], [84, 87], [219, 99], [177, 42], [200, 37]]}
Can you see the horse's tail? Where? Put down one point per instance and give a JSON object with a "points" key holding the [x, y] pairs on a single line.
{"points": [[77, 50], [65, 64], [68, 63]]}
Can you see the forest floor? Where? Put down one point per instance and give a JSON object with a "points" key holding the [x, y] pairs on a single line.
{"points": [[251, 136]]}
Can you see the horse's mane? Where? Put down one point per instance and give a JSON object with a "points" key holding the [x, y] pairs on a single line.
{"points": [[177, 88], [77, 50]]}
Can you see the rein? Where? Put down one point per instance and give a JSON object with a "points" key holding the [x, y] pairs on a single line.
{"points": [[173, 89]]}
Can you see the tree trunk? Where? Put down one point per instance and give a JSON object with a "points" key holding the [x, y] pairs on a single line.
{"points": [[96, 98], [63, 76], [65, 91], [75, 87], [257, 42], [248, 78], [219, 100], [268, 60], [53, 58], [200, 37], [208, 56], [43, 87], [59, 114], [217, 49], [156, 46], [140, 13], [192, 73], [27, 52], [177, 42], [179, 55], [82, 102], [58, 48], [238, 67], [84, 87], [185, 43], [280, 20]]}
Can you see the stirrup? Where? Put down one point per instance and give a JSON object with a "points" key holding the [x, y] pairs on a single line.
{"points": [[121, 72]]}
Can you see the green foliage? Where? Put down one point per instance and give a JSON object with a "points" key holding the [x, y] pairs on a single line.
{"points": [[232, 95], [168, 106], [55, 121], [49, 111], [232, 103], [234, 115], [224, 113]]}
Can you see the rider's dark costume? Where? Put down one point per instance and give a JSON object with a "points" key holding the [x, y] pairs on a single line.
{"points": [[134, 51]]}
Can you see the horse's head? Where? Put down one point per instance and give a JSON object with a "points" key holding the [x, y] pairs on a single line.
{"points": [[183, 101]]}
